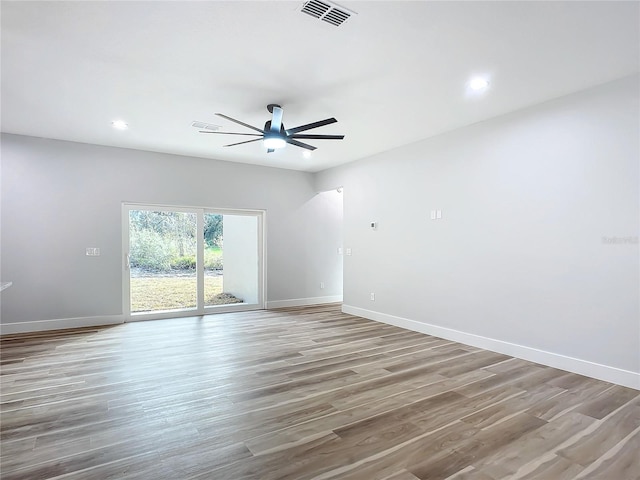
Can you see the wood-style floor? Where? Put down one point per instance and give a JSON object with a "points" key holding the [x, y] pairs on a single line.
{"points": [[298, 394]]}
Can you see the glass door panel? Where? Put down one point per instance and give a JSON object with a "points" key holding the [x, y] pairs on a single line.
{"points": [[231, 259], [162, 261]]}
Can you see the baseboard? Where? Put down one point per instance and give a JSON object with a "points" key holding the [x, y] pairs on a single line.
{"points": [[299, 302], [615, 375], [59, 324]]}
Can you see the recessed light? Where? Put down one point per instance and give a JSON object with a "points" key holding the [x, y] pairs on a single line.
{"points": [[119, 125], [306, 154], [478, 83]]}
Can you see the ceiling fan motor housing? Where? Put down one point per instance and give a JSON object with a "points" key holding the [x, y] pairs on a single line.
{"points": [[267, 129]]}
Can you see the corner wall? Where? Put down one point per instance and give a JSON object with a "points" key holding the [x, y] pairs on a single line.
{"points": [[60, 197], [536, 254]]}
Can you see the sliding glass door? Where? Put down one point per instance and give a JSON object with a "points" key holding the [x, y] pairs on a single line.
{"points": [[191, 261]]}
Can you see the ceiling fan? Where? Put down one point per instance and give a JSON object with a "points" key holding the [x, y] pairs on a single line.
{"points": [[275, 136]]}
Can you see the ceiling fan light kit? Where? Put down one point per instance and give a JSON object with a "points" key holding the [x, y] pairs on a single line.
{"points": [[275, 136], [274, 142]]}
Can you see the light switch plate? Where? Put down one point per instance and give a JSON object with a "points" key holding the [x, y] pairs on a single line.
{"points": [[438, 213], [433, 214]]}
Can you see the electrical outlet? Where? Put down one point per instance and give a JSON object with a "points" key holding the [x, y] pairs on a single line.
{"points": [[347, 251], [93, 251], [373, 296], [321, 284]]}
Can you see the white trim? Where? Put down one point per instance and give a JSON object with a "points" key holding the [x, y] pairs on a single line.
{"points": [[615, 375], [299, 302], [125, 276], [199, 261], [262, 255], [192, 312], [60, 324]]}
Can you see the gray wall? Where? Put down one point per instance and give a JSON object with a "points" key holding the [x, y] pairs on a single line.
{"points": [[60, 197], [520, 255], [325, 237]]}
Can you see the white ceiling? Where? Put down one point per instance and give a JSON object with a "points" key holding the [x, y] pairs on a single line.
{"points": [[393, 74]]}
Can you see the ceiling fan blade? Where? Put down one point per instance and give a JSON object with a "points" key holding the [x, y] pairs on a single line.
{"points": [[276, 119], [319, 137], [230, 133], [246, 141], [241, 123], [299, 144], [309, 126]]}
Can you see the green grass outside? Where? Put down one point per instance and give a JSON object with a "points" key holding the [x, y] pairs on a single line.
{"points": [[212, 258], [170, 293]]}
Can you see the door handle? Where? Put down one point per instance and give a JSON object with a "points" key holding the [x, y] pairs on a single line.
{"points": [[127, 261]]}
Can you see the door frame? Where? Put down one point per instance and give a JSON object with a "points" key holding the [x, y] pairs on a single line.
{"points": [[200, 309]]}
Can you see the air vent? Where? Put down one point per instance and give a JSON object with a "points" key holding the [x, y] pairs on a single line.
{"points": [[326, 12], [205, 126], [315, 8], [336, 17]]}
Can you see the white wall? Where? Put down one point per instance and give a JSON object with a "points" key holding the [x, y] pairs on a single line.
{"points": [[518, 262], [60, 197], [319, 243], [322, 241]]}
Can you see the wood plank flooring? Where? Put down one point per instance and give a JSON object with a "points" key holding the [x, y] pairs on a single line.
{"points": [[299, 393]]}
